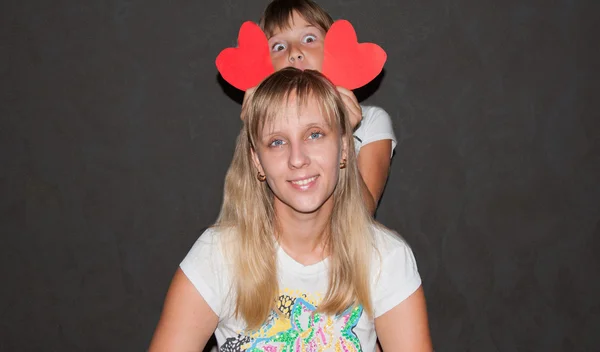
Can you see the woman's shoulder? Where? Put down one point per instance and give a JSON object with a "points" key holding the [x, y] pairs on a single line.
{"points": [[395, 272], [208, 268], [387, 241], [214, 236], [210, 247]]}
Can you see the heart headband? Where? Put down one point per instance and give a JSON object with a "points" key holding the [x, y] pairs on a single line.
{"points": [[346, 63]]}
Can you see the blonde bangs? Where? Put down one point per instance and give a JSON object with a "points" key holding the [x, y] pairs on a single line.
{"points": [[276, 92]]}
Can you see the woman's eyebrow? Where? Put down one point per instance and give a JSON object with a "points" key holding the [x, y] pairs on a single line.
{"points": [[270, 134], [316, 124]]}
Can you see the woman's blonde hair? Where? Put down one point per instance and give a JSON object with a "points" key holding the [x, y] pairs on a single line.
{"points": [[278, 14], [248, 215]]}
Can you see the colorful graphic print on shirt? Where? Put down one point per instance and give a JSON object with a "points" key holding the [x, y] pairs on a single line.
{"points": [[296, 328]]}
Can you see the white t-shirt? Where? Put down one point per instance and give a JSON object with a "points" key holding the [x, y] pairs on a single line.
{"points": [[301, 288], [376, 125]]}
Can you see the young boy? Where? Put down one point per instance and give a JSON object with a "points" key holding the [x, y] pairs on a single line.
{"points": [[296, 31]]}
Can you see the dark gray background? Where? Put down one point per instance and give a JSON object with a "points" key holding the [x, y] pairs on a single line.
{"points": [[116, 134]]}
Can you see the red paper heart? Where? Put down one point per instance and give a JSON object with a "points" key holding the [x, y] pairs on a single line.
{"points": [[247, 65], [348, 63]]}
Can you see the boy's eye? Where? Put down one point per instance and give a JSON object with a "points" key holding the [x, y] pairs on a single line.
{"points": [[276, 143], [310, 38], [278, 47]]}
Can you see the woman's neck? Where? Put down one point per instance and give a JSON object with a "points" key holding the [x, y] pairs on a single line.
{"points": [[303, 236]]}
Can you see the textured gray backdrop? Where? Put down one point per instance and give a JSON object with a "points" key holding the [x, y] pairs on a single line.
{"points": [[115, 136]]}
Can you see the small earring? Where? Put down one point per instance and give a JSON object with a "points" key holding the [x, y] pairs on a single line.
{"points": [[343, 164], [261, 177]]}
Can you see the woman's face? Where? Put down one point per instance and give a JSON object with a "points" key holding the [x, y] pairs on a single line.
{"points": [[300, 154]]}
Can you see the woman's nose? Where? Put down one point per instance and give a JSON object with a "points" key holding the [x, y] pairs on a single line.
{"points": [[298, 157]]}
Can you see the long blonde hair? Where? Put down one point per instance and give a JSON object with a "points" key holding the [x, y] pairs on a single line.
{"points": [[248, 215]]}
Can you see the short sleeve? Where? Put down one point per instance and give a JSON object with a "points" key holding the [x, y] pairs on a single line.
{"points": [[397, 278], [204, 267], [376, 125]]}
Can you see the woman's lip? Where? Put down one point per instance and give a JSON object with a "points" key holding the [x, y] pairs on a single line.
{"points": [[304, 183]]}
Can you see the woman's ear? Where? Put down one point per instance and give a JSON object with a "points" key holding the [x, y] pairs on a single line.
{"points": [[344, 151], [256, 161]]}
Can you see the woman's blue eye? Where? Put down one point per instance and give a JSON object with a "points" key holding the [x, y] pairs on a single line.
{"points": [[278, 47], [276, 143], [315, 135]]}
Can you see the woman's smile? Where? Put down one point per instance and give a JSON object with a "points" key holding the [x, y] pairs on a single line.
{"points": [[304, 184]]}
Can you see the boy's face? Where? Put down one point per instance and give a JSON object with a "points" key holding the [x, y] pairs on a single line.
{"points": [[300, 46]]}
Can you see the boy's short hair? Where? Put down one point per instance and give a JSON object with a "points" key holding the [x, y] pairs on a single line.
{"points": [[278, 15]]}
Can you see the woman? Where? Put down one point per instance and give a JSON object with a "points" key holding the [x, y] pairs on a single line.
{"points": [[295, 262]]}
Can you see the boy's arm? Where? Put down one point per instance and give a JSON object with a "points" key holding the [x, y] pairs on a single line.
{"points": [[374, 164], [374, 158], [353, 108]]}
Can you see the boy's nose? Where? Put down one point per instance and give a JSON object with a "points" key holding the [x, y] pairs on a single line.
{"points": [[295, 57], [295, 54]]}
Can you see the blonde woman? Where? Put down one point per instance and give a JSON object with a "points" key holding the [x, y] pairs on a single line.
{"points": [[295, 262]]}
